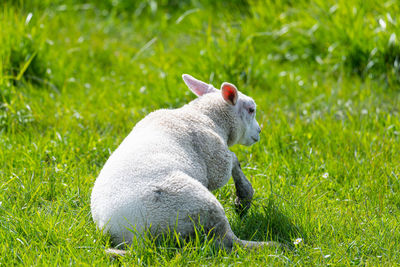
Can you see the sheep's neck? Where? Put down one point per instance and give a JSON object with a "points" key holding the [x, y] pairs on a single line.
{"points": [[223, 121]]}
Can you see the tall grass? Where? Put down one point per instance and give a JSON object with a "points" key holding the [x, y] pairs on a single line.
{"points": [[76, 77]]}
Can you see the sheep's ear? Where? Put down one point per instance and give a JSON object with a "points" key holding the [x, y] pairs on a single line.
{"points": [[198, 87], [229, 93]]}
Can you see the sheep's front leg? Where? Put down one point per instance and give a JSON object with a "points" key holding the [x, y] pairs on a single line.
{"points": [[244, 190]]}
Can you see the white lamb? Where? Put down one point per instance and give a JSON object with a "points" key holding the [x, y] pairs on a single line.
{"points": [[160, 177]]}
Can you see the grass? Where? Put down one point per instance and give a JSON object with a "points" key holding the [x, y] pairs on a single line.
{"points": [[76, 77]]}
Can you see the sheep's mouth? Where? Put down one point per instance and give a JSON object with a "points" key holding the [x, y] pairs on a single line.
{"points": [[255, 139]]}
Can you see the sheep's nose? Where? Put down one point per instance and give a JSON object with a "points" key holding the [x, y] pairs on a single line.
{"points": [[259, 130]]}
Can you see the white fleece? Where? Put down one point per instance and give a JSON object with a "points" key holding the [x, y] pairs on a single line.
{"points": [[161, 175]]}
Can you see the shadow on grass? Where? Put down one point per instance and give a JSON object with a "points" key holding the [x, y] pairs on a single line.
{"points": [[265, 222]]}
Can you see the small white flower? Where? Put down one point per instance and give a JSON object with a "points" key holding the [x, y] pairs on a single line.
{"points": [[327, 256], [298, 241], [325, 175], [382, 23], [28, 18], [142, 89]]}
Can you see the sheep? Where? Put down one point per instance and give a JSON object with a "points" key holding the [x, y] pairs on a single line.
{"points": [[161, 175]]}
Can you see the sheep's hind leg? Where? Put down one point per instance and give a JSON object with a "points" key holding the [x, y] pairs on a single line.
{"points": [[187, 201], [114, 253]]}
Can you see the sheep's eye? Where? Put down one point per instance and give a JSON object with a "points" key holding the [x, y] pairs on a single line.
{"points": [[251, 110]]}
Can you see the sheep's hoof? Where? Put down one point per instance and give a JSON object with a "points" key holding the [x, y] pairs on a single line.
{"points": [[242, 206]]}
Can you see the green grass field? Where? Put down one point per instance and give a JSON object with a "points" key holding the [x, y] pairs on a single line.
{"points": [[75, 77]]}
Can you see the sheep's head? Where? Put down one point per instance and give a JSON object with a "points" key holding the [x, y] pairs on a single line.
{"points": [[242, 106]]}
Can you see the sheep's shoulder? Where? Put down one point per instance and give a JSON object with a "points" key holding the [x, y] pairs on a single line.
{"points": [[194, 139]]}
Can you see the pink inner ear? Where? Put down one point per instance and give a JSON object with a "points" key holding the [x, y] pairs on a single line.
{"points": [[229, 93]]}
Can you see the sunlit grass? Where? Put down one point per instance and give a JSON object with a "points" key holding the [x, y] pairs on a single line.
{"points": [[75, 78]]}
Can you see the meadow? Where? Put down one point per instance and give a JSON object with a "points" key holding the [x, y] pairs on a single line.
{"points": [[75, 77]]}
